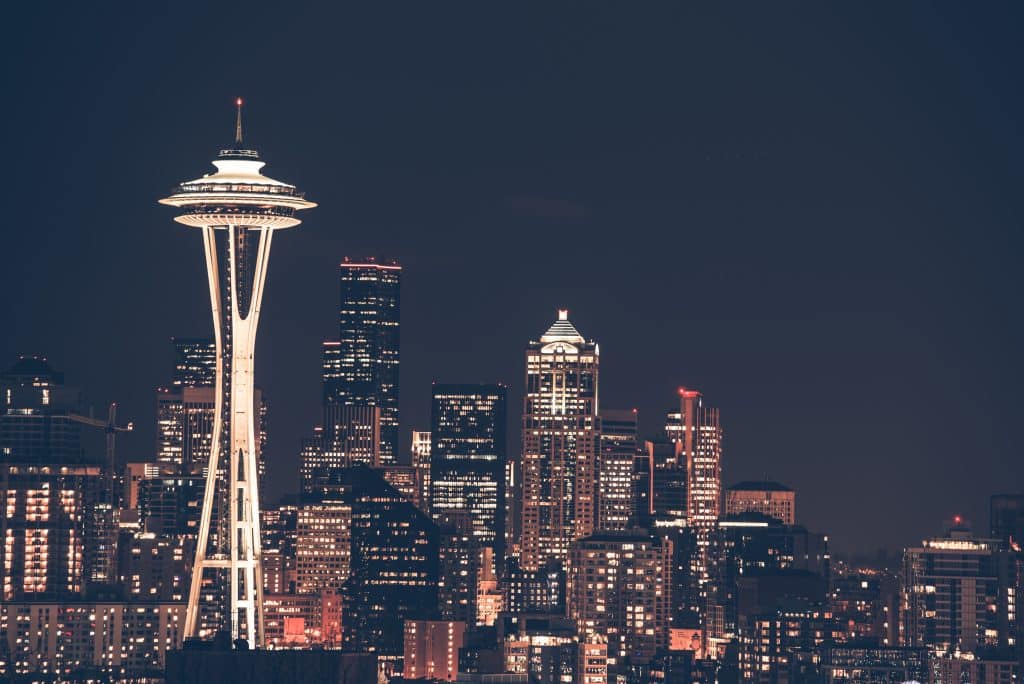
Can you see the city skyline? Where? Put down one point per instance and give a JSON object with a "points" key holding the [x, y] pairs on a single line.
{"points": [[907, 329], [590, 302]]}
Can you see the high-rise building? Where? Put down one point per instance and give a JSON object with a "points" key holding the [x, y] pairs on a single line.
{"points": [[771, 498], [560, 444], [698, 442], [617, 508], [394, 563], [238, 210], [75, 641], [954, 595], [360, 368], [467, 458], [48, 485], [753, 542], [620, 588], [323, 547]]}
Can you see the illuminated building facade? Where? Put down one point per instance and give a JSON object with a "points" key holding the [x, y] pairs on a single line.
{"points": [[238, 210], [87, 641], [771, 498], [615, 467], [420, 459], [361, 367], [48, 486], [560, 444], [432, 649], [467, 458], [954, 595], [322, 547], [620, 589]]}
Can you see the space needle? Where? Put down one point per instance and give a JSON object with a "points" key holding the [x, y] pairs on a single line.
{"points": [[238, 209]]}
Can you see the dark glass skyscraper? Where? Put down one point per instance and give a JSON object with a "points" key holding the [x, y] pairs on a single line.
{"points": [[361, 366], [467, 458]]}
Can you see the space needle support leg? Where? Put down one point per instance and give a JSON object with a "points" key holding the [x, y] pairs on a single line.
{"points": [[209, 492]]}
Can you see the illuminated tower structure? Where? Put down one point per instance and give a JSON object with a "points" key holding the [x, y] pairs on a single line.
{"points": [[561, 429], [238, 210], [698, 447], [360, 368]]}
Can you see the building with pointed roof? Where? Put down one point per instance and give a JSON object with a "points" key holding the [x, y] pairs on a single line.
{"points": [[560, 444]]}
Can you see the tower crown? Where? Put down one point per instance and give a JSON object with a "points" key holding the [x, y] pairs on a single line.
{"points": [[237, 193]]}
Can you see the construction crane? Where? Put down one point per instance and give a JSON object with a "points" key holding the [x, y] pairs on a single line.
{"points": [[111, 428]]}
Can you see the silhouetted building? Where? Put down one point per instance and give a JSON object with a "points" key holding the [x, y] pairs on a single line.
{"points": [[870, 664], [467, 458], [394, 563], [560, 444], [1006, 519]]}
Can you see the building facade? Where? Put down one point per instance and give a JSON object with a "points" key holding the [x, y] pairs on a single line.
{"points": [[468, 452], [560, 444], [361, 367], [770, 498]]}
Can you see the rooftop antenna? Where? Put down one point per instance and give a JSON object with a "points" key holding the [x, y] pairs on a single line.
{"points": [[238, 121]]}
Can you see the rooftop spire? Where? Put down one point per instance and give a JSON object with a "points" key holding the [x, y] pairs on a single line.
{"points": [[238, 121]]}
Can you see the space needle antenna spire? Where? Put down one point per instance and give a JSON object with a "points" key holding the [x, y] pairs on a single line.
{"points": [[238, 121], [238, 210]]}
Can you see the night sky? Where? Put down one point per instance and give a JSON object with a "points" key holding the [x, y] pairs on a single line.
{"points": [[812, 213]]}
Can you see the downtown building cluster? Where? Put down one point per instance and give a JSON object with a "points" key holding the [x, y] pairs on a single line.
{"points": [[594, 554]]}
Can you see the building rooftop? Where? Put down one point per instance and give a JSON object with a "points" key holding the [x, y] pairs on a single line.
{"points": [[562, 330], [759, 486]]}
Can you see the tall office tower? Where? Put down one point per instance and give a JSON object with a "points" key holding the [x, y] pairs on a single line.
{"points": [[361, 366], [1006, 519], [699, 448], [420, 459], [560, 444], [954, 594], [620, 587], [238, 209], [771, 498], [394, 563], [48, 484], [323, 542], [467, 458], [617, 509]]}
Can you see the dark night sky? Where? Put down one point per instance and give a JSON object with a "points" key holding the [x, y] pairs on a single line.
{"points": [[810, 212]]}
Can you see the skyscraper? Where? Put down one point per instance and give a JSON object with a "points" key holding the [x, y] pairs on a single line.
{"points": [[238, 210], [560, 443], [467, 458], [615, 467], [620, 588], [48, 484], [361, 366]]}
